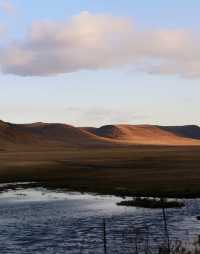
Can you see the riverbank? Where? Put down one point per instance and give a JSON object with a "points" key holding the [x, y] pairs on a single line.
{"points": [[131, 170]]}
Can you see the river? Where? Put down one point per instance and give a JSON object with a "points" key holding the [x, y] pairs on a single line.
{"points": [[37, 220]]}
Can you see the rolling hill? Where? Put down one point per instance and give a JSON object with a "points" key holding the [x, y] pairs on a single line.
{"points": [[189, 131], [43, 135], [55, 135], [149, 134]]}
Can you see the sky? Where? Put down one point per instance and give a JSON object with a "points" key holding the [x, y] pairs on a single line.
{"points": [[97, 62]]}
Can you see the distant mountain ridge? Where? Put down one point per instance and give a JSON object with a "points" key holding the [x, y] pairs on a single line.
{"points": [[189, 131], [55, 135]]}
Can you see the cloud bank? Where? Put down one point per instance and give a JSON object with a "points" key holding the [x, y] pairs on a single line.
{"points": [[92, 42]]}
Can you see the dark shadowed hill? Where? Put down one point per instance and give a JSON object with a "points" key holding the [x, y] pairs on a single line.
{"points": [[188, 131], [45, 135]]}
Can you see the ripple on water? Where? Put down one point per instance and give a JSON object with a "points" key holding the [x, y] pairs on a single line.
{"points": [[43, 221]]}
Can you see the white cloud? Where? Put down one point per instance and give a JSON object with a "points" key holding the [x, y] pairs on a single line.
{"points": [[100, 42], [7, 7]]}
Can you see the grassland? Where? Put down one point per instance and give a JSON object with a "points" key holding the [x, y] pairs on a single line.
{"points": [[129, 170]]}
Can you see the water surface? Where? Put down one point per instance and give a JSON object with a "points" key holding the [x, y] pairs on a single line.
{"points": [[36, 220]]}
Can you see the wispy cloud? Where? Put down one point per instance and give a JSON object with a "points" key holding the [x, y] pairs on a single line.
{"points": [[97, 116], [78, 116], [7, 7], [101, 41]]}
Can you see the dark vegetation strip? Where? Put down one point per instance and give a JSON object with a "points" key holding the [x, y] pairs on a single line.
{"points": [[128, 171]]}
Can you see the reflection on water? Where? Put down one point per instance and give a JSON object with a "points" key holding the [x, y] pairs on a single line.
{"points": [[43, 221]]}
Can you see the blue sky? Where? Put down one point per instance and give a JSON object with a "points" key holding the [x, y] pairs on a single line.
{"points": [[96, 96]]}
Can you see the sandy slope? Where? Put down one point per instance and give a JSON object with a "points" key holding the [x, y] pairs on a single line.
{"points": [[55, 135], [148, 134]]}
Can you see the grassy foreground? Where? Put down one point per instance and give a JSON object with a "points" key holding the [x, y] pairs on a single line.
{"points": [[134, 170]]}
